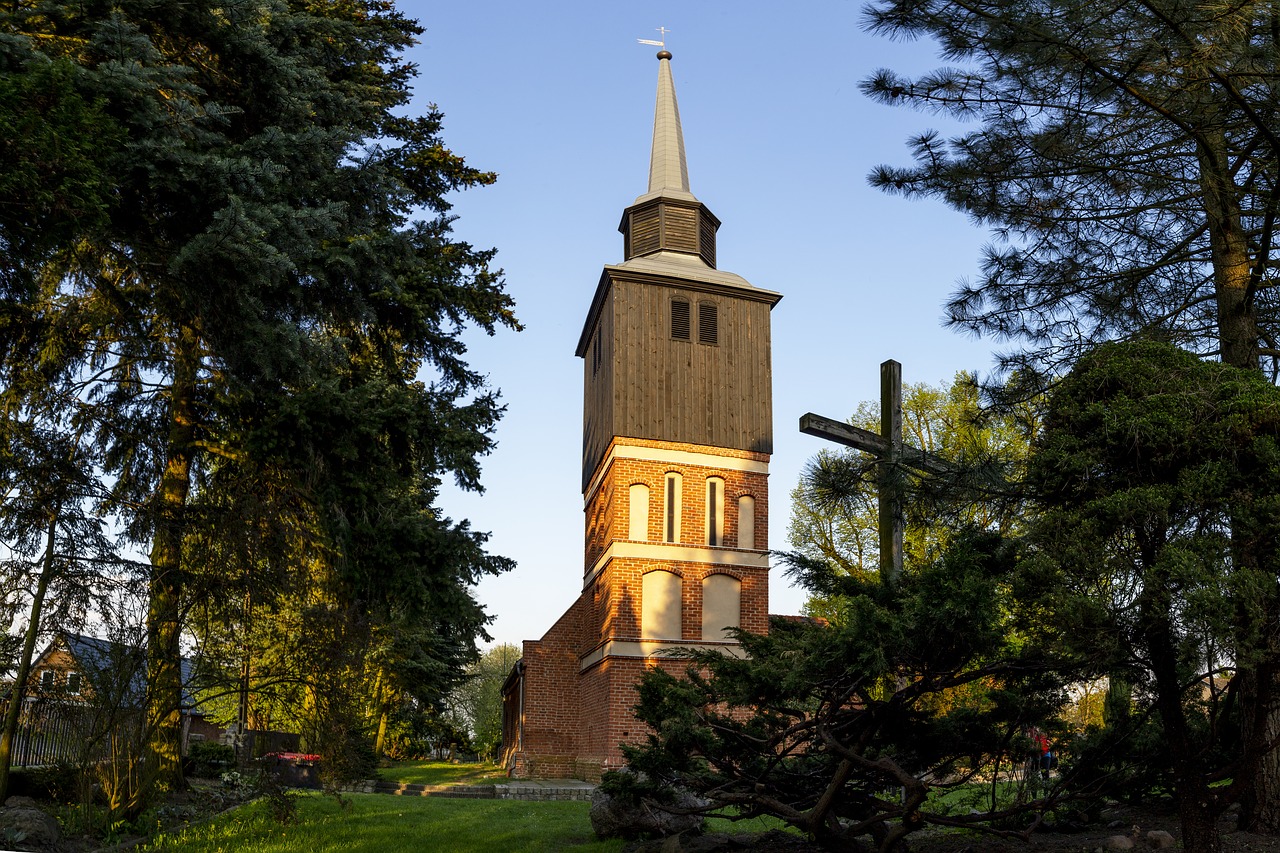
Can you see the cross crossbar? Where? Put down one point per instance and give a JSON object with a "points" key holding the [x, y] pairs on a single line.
{"points": [[870, 442]]}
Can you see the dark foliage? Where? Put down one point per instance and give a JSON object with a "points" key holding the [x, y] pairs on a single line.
{"points": [[822, 725]]}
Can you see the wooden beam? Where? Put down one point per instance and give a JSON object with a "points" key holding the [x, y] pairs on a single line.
{"points": [[843, 433], [892, 521], [870, 442]]}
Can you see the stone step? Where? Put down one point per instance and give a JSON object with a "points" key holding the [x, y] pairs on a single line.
{"points": [[410, 789]]}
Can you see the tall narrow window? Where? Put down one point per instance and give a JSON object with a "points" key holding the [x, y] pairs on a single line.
{"points": [[46, 680], [680, 319], [747, 522], [715, 511], [595, 364], [660, 610], [73, 683], [671, 516], [639, 527], [708, 323], [721, 606]]}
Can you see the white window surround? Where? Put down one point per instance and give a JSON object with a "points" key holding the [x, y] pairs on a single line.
{"points": [[674, 458], [661, 613], [747, 522], [714, 514], [638, 509], [676, 554]]}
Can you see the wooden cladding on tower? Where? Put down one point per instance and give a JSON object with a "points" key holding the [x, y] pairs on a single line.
{"points": [[707, 240], [680, 228], [666, 225], [683, 361]]}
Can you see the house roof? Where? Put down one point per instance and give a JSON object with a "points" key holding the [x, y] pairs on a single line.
{"points": [[98, 656]]}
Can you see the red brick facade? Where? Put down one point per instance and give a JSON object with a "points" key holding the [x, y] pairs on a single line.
{"points": [[569, 703]]}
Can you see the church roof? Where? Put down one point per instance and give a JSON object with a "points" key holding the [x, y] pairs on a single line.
{"points": [[691, 268], [668, 169]]}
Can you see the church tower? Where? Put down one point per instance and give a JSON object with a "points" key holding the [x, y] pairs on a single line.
{"points": [[677, 433]]}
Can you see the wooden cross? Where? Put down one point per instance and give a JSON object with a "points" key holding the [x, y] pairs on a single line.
{"points": [[888, 448]]}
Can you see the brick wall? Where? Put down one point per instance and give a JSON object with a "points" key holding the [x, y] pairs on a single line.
{"points": [[550, 736], [607, 511], [575, 716]]}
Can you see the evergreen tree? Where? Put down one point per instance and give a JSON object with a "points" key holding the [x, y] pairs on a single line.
{"points": [[925, 683], [263, 285], [1150, 464], [1125, 157]]}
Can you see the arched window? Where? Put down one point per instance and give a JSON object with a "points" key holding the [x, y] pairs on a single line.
{"points": [[721, 606], [671, 507], [715, 511], [639, 509], [660, 612], [747, 522]]}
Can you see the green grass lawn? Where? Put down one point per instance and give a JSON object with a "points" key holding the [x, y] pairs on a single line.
{"points": [[379, 822], [442, 773]]}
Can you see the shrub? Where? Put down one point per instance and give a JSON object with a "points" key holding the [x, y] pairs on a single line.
{"points": [[210, 759]]}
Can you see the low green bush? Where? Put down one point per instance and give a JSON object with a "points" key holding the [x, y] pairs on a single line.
{"points": [[210, 759]]}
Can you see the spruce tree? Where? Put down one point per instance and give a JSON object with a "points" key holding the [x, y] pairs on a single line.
{"points": [[277, 240]]}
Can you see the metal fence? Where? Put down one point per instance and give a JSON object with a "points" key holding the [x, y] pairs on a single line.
{"points": [[48, 732]]}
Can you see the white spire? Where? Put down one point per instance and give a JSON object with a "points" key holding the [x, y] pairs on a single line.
{"points": [[668, 172]]}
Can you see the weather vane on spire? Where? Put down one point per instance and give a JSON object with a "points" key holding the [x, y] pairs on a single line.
{"points": [[663, 43]]}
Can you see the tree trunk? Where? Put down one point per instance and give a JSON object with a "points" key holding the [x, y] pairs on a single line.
{"points": [[1239, 339], [1199, 823], [24, 664], [164, 652], [1238, 335], [1197, 806], [380, 745], [1260, 731], [243, 752], [379, 714]]}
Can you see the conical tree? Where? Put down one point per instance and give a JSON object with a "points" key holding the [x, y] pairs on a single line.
{"points": [[261, 242]]}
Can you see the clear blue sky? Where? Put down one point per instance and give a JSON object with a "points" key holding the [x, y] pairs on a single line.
{"points": [[558, 98]]}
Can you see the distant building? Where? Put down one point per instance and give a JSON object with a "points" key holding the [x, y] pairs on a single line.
{"points": [[72, 666], [677, 435], [78, 687]]}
